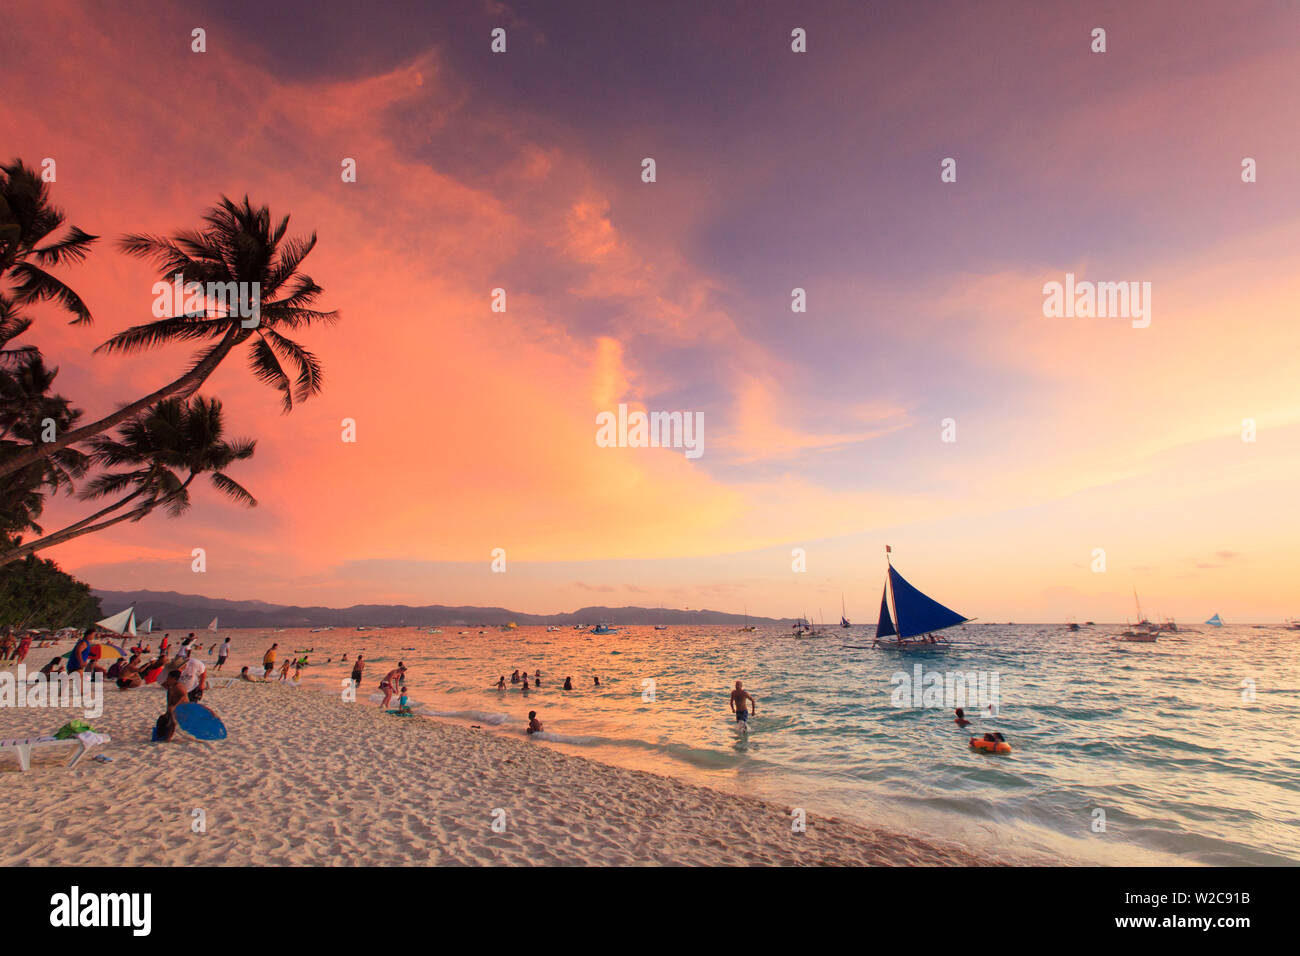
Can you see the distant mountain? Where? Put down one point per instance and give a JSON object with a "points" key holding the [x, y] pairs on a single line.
{"points": [[173, 611]]}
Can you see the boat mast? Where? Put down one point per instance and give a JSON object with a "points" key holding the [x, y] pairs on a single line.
{"points": [[893, 605]]}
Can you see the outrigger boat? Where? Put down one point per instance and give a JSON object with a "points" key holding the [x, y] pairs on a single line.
{"points": [[748, 628], [910, 620], [1144, 632], [844, 621]]}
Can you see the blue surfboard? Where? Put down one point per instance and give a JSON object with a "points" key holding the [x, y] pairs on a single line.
{"points": [[197, 721]]}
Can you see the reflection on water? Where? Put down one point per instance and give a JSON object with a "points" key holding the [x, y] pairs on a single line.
{"points": [[1158, 741]]}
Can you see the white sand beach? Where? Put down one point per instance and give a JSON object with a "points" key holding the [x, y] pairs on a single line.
{"points": [[304, 779]]}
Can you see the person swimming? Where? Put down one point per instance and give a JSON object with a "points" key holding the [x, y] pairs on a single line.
{"points": [[568, 683], [596, 680], [501, 684], [961, 720], [534, 725]]}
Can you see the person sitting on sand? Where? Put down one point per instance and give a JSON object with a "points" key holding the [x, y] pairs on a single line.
{"points": [[534, 725], [739, 697], [568, 683], [501, 684], [165, 728], [194, 678], [244, 675], [129, 675], [961, 720], [403, 707], [268, 662]]}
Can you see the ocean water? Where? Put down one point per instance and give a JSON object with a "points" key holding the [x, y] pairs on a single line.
{"points": [[1182, 751]]}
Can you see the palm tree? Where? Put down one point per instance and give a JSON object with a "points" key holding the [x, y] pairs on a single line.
{"points": [[158, 455], [26, 219], [27, 407], [237, 244]]}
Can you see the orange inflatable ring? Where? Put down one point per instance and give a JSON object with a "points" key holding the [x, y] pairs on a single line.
{"points": [[990, 746]]}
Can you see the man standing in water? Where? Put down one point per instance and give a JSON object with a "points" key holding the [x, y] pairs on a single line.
{"points": [[739, 697]]}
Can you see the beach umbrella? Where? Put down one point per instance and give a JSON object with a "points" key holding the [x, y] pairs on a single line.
{"points": [[103, 652]]}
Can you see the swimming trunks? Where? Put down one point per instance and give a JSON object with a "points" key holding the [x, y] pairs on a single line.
{"points": [[742, 714]]}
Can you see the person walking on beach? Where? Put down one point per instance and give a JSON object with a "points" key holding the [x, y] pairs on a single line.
{"points": [[268, 662], [225, 652], [357, 668], [739, 698]]}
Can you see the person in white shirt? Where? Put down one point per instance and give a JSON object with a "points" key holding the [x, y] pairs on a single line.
{"points": [[223, 653], [194, 679]]}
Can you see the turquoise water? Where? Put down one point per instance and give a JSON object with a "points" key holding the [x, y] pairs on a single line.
{"points": [[1158, 737]]}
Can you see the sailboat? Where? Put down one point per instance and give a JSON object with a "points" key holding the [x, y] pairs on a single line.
{"points": [[213, 626], [147, 626], [748, 628], [1215, 621], [121, 623], [916, 618], [1144, 631], [844, 621]]}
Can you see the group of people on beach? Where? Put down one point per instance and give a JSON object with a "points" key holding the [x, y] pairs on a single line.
{"points": [[14, 647]]}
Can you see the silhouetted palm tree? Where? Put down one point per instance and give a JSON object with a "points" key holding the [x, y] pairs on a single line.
{"points": [[28, 410], [27, 218], [156, 458], [237, 244]]}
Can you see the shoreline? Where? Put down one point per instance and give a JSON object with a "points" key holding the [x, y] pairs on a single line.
{"points": [[306, 780]]}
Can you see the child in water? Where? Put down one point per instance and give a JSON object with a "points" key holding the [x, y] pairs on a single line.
{"points": [[403, 707], [961, 720], [534, 725]]}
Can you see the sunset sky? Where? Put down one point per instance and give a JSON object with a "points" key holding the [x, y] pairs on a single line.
{"points": [[775, 170]]}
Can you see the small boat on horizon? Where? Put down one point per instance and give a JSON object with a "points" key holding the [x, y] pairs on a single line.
{"points": [[748, 628], [604, 629], [844, 621], [1215, 621], [1144, 632]]}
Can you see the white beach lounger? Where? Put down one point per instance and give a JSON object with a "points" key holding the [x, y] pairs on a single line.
{"points": [[22, 748]]}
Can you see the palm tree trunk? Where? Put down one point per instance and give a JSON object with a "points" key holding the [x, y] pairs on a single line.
{"points": [[182, 387], [67, 534], [84, 527]]}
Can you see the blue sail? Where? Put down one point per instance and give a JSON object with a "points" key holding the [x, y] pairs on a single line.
{"points": [[1216, 621], [918, 614], [886, 627]]}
